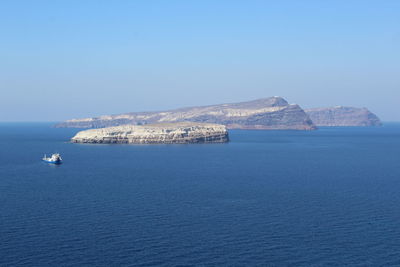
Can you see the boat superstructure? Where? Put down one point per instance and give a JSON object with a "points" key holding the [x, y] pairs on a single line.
{"points": [[55, 159]]}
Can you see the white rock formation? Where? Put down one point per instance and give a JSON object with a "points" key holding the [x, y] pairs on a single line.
{"points": [[161, 133]]}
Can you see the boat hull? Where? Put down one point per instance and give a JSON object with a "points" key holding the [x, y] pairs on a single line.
{"points": [[53, 162]]}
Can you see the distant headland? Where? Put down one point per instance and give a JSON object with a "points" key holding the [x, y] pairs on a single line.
{"points": [[272, 113]]}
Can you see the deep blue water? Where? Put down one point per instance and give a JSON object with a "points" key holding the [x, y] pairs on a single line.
{"points": [[267, 198]]}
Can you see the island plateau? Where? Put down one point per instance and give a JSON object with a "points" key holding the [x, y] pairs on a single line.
{"points": [[343, 116], [273, 113], [161, 133]]}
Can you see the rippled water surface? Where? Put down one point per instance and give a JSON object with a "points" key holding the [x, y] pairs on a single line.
{"points": [[278, 198]]}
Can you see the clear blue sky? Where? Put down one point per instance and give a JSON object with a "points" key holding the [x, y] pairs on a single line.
{"points": [[71, 59]]}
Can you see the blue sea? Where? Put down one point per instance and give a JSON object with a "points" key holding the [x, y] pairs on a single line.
{"points": [[329, 197]]}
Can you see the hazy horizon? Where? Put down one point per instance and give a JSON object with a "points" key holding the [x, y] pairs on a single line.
{"points": [[173, 108], [71, 59]]}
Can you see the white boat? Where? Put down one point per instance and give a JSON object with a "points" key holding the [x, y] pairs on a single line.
{"points": [[55, 159]]}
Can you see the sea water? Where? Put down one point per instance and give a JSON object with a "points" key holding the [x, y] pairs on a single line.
{"points": [[267, 198]]}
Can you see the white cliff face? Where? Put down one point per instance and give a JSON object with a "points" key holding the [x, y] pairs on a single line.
{"points": [[162, 133]]}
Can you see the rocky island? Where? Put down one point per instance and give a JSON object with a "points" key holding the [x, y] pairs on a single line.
{"points": [[273, 113], [161, 133], [343, 116]]}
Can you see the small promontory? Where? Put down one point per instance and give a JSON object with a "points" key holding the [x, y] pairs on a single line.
{"points": [[343, 116], [160, 133]]}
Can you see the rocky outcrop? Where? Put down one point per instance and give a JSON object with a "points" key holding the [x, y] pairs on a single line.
{"points": [[162, 133], [268, 113], [343, 116]]}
